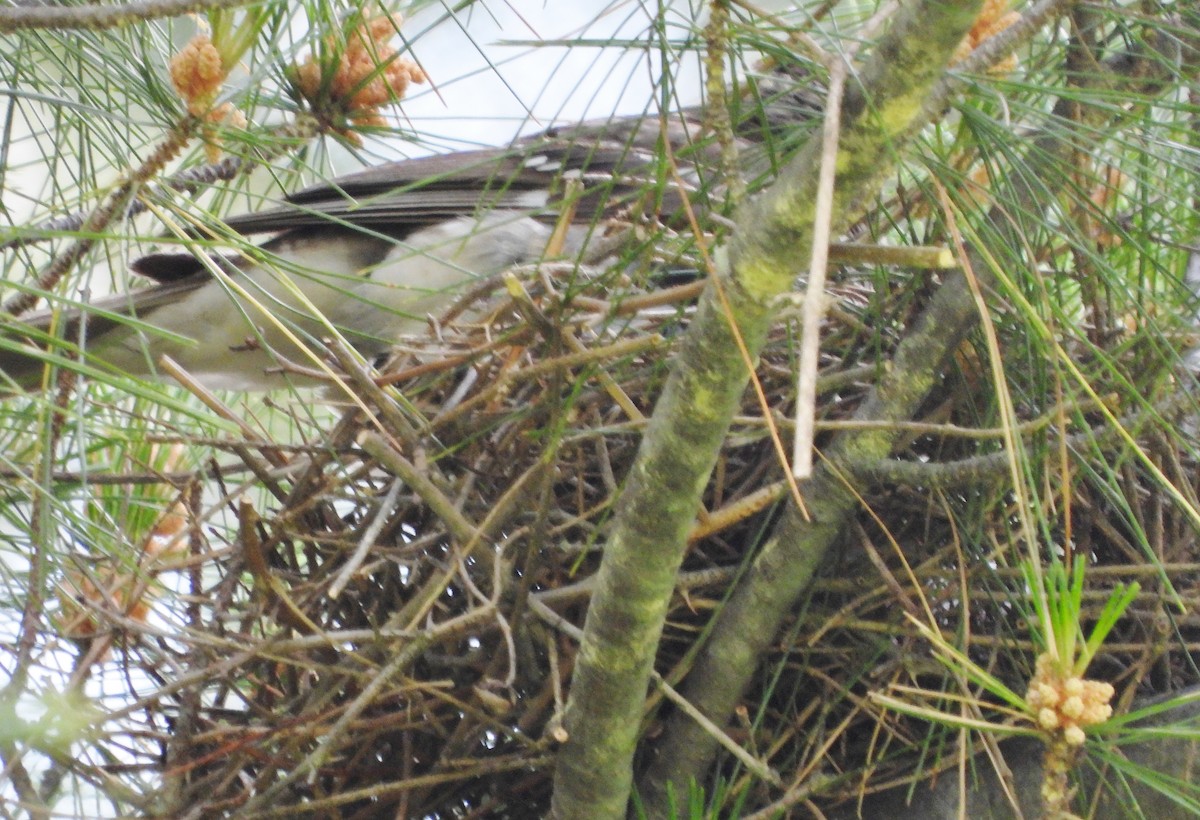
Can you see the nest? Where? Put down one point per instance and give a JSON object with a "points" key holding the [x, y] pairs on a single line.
{"points": [[391, 629]]}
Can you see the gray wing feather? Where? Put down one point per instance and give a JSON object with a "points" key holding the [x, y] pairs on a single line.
{"points": [[399, 197]]}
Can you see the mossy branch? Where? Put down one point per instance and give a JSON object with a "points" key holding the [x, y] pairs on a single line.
{"points": [[784, 568], [655, 513]]}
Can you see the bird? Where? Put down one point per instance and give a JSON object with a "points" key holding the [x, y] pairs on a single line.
{"points": [[373, 254], [370, 255]]}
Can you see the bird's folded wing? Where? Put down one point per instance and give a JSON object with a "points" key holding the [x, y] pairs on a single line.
{"points": [[532, 175]]}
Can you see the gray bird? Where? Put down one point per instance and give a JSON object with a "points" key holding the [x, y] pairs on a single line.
{"points": [[371, 255]]}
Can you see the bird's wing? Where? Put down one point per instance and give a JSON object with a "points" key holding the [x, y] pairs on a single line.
{"points": [[531, 175]]}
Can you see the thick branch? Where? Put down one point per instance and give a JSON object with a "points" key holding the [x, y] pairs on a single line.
{"points": [[771, 245], [784, 568]]}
